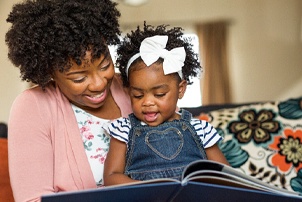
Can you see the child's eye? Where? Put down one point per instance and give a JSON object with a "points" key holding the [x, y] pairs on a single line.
{"points": [[137, 96], [160, 95]]}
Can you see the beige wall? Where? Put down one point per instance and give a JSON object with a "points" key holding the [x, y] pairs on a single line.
{"points": [[265, 43]]}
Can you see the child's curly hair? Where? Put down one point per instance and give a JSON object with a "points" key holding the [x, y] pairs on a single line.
{"points": [[132, 41], [46, 34]]}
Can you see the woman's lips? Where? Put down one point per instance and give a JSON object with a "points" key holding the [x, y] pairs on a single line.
{"points": [[98, 98]]}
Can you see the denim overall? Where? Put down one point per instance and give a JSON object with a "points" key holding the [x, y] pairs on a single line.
{"points": [[162, 151]]}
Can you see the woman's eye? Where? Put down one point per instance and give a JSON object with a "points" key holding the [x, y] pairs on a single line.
{"points": [[105, 64], [105, 67], [80, 80]]}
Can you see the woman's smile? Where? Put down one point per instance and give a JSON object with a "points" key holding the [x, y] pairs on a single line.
{"points": [[98, 98]]}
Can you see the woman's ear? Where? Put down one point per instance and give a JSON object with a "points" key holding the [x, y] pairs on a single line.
{"points": [[182, 86]]}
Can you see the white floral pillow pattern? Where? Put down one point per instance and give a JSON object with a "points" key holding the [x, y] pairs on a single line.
{"points": [[263, 140]]}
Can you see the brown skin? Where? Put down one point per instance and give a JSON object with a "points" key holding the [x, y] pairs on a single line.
{"points": [[88, 86], [154, 98], [154, 95]]}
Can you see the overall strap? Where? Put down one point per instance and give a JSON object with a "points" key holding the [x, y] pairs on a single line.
{"points": [[186, 115], [133, 120]]}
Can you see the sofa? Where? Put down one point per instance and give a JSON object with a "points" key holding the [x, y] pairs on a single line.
{"points": [[6, 193], [263, 140]]}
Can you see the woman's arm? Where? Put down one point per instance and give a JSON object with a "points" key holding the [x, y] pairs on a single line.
{"points": [[115, 164], [30, 149]]}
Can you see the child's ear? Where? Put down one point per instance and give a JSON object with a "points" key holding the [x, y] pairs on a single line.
{"points": [[182, 88]]}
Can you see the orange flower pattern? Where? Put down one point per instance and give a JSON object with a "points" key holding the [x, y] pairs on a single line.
{"points": [[288, 151], [203, 116], [264, 140]]}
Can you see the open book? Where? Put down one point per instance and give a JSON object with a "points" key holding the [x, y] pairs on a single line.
{"points": [[202, 180]]}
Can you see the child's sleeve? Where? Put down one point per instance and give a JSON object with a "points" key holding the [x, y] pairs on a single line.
{"points": [[207, 133], [118, 129]]}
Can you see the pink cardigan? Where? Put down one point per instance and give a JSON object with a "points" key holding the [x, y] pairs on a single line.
{"points": [[46, 152]]}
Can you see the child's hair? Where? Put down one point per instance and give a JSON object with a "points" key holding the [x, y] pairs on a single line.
{"points": [[131, 43], [46, 34]]}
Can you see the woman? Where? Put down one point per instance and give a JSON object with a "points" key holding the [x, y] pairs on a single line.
{"points": [[56, 142]]}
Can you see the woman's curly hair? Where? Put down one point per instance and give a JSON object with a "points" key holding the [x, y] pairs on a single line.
{"points": [[131, 43], [46, 34]]}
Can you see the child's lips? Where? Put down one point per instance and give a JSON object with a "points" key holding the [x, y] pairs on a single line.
{"points": [[150, 116]]}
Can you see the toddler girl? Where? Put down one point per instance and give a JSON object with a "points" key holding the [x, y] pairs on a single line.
{"points": [[155, 141]]}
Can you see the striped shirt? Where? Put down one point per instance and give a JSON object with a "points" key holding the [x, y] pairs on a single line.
{"points": [[119, 129]]}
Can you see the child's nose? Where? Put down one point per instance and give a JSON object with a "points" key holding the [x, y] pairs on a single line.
{"points": [[148, 101]]}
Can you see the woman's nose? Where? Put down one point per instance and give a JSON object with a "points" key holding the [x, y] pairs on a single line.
{"points": [[97, 83]]}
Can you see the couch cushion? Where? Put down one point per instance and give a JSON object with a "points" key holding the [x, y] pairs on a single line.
{"points": [[263, 140], [6, 193]]}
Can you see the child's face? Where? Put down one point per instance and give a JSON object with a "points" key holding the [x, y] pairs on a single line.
{"points": [[154, 95]]}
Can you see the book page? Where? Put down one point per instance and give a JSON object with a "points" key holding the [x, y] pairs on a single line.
{"points": [[158, 180], [227, 179], [208, 170]]}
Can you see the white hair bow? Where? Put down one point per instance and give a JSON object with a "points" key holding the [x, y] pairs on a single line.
{"points": [[153, 48]]}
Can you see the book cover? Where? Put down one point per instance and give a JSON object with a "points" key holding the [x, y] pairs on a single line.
{"points": [[202, 180]]}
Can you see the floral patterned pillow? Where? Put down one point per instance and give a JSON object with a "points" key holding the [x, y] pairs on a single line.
{"points": [[263, 140]]}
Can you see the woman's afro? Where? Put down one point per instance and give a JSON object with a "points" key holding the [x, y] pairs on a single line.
{"points": [[46, 34], [131, 43]]}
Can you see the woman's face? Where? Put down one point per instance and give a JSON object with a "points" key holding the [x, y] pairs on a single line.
{"points": [[87, 86]]}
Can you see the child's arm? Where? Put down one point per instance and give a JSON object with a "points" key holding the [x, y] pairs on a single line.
{"points": [[115, 164], [215, 154]]}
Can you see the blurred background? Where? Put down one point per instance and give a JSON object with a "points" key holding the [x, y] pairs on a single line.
{"points": [[251, 51]]}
